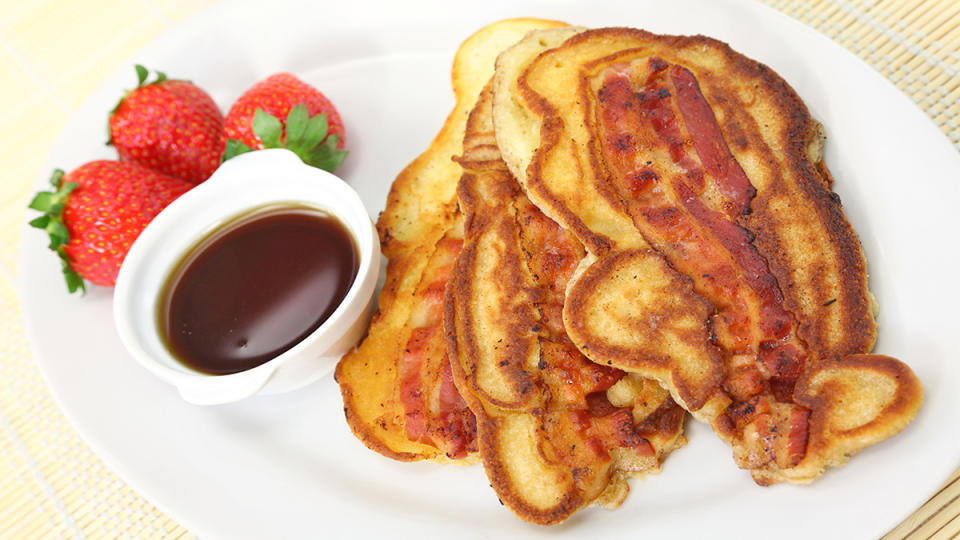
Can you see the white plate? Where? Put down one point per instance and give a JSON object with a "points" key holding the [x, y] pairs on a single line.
{"points": [[287, 466]]}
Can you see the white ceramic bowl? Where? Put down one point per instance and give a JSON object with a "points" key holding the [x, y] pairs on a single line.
{"points": [[245, 182]]}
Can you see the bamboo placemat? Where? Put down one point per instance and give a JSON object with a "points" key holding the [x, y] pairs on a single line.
{"points": [[51, 483]]}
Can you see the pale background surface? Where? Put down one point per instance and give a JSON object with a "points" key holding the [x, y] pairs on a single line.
{"points": [[51, 483]]}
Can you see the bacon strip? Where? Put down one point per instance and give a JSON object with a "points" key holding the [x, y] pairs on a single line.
{"points": [[411, 389], [577, 386], [766, 345], [434, 412], [550, 438], [678, 211], [709, 143]]}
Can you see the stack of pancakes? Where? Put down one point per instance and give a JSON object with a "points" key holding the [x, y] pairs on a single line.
{"points": [[612, 228]]}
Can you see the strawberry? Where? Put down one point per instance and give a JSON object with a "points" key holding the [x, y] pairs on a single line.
{"points": [[170, 126], [282, 111], [97, 211]]}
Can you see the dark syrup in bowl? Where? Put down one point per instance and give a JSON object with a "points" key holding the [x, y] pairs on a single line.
{"points": [[256, 287]]}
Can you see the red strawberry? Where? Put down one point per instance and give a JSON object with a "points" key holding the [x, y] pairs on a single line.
{"points": [[170, 126], [96, 213], [282, 111]]}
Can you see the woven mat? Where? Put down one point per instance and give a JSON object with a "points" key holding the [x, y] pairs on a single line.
{"points": [[51, 483]]}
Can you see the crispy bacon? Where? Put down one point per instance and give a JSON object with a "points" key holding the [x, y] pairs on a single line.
{"points": [[799, 433], [709, 144], [553, 255], [687, 210], [434, 411], [456, 425], [571, 377], [411, 385], [667, 418], [577, 386]]}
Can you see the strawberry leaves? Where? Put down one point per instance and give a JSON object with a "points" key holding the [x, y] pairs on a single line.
{"points": [[143, 73], [268, 128], [51, 203], [234, 148], [302, 134], [305, 135]]}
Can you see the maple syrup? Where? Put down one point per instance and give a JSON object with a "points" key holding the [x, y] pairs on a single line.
{"points": [[256, 287]]}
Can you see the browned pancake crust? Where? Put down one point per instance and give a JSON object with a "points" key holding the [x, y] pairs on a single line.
{"points": [[652, 286], [830, 293], [506, 344], [841, 401], [421, 210]]}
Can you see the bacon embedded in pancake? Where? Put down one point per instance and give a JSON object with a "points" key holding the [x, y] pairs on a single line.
{"points": [[721, 264], [556, 431], [433, 411], [397, 388]]}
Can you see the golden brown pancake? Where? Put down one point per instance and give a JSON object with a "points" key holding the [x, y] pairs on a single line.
{"points": [[398, 394], [556, 432], [720, 263]]}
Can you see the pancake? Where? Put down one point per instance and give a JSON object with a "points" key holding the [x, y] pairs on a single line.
{"points": [[556, 432], [398, 395], [719, 261]]}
